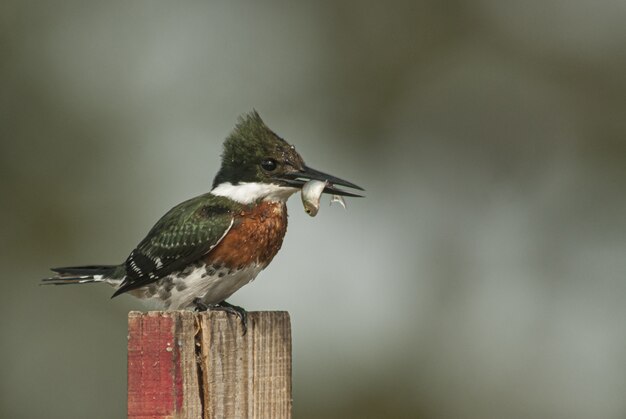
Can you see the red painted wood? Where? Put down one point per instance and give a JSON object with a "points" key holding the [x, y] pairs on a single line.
{"points": [[185, 365], [154, 372]]}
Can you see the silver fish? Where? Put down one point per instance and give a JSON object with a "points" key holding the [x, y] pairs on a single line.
{"points": [[311, 194]]}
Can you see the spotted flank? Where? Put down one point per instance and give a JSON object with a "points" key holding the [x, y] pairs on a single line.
{"points": [[210, 284]]}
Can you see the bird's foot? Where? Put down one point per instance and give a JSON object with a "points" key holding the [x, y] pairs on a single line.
{"points": [[226, 307], [237, 311], [200, 305]]}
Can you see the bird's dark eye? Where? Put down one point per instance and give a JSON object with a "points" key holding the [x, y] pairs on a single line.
{"points": [[268, 164]]}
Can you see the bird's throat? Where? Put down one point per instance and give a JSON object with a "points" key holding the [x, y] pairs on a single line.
{"points": [[249, 192]]}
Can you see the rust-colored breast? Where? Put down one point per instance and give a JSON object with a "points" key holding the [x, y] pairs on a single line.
{"points": [[256, 236]]}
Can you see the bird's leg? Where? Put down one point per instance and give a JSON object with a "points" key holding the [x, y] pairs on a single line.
{"points": [[236, 310], [226, 307], [200, 305]]}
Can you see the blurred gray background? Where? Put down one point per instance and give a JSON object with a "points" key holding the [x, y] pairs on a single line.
{"points": [[482, 277]]}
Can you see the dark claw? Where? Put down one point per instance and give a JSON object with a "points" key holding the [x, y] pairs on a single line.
{"points": [[237, 311], [200, 306], [226, 307]]}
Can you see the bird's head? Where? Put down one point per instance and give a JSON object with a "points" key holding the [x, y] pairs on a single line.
{"points": [[258, 164]]}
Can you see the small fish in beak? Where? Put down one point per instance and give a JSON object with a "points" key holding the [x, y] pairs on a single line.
{"points": [[311, 194]]}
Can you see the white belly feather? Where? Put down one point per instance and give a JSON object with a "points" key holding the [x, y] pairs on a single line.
{"points": [[178, 291]]}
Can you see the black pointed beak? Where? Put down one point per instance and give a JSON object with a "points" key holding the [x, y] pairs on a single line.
{"points": [[299, 178]]}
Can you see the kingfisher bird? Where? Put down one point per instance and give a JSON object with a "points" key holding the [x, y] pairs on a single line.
{"points": [[206, 248]]}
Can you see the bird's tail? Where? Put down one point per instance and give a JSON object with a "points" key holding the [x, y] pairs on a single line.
{"points": [[81, 275]]}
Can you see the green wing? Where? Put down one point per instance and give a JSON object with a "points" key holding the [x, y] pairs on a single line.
{"points": [[182, 236]]}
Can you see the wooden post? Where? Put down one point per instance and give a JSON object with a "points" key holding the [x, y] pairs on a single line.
{"points": [[186, 365]]}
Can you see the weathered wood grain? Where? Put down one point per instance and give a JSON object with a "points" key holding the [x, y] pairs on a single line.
{"points": [[183, 364]]}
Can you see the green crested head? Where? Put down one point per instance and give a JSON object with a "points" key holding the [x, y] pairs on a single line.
{"points": [[254, 153], [258, 164]]}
